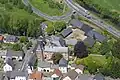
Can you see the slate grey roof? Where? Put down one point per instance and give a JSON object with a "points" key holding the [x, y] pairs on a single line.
{"points": [[71, 41], [76, 23], [63, 62], [66, 32], [17, 65], [11, 53], [99, 77], [43, 25], [44, 64], [32, 60], [13, 74], [55, 66], [72, 74], [10, 62], [86, 28], [11, 38], [93, 34], [84, 77], [57, 41], [89, 41]]}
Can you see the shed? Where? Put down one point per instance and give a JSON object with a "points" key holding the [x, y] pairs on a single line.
{"points": [[86, 28], [76, 23], [66, 32]]}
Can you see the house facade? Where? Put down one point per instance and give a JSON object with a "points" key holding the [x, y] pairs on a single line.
{"points": [[44, 66], [17, 55], [9, 65], [63, 65], [49, 51], [31, 63]]}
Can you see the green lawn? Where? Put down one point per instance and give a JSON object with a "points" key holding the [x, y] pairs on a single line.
{"points": [[17, 13], [94, 58], [44, 7], [94, 61], [113, 5]]}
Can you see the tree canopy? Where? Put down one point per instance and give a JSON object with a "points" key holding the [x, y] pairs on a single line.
{"points": [[17, 47], [116, 49], [80, 50], [56, 57]]}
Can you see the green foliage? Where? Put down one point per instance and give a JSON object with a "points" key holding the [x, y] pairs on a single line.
{"points": [[103, 48], [16, 47], [95, 49], [50, 29], [50, 7], [116, 49], [24, 39], [104, 13], [16, 19], [56, 57], [110, 49], [113, 68], [80, 50], [59, 26], [56, 27], [93, 62]]}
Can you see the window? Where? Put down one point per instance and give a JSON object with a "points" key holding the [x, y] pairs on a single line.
{"points": [[47, 70], [44, 70]]}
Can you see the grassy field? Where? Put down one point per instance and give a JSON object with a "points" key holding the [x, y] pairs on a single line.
{"points": [[44, 7], [94, 61], [113, 5], [17, 13], [99, 60]]}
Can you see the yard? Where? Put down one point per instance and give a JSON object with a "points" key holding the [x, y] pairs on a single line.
{"points": [[77, 34], [94, 62], [50, 7], [113, 5]]}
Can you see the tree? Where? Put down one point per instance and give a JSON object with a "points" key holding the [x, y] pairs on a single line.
{"points": [[116, 49], [59, 26], [56, 57], [80, 50], [24, 39], [50, 29], [113, 70], [16, 47], [29, 9]]}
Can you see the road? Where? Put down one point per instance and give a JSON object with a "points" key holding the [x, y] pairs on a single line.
{"points": [[28, 54], [51, 18], [83, 12]]}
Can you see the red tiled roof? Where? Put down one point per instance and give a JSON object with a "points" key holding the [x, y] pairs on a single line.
{"points": [[36, 75]]}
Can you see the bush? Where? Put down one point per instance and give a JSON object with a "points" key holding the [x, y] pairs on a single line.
{"points": [[24, 39]]}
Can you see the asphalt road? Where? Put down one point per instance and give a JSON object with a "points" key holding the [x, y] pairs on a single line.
{"points": [[83, 12], [51, 18], [27, 57]]}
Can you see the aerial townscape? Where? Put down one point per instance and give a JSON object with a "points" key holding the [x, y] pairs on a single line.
{"points": [[59, 39]]}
